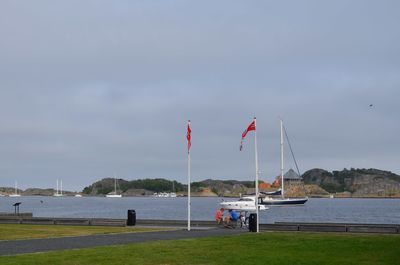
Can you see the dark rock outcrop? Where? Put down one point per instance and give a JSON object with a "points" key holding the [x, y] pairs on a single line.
{"points": [[137, 192], [358, 182]]}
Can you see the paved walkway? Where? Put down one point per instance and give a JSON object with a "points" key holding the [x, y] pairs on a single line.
{"points": [[14, 247]]}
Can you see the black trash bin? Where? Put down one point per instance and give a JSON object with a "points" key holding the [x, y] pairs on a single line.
{"points": [[253, 222], [131, 218]]}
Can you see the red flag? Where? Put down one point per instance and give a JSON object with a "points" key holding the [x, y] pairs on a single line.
{"points": [[188, 137], [252, 127]]}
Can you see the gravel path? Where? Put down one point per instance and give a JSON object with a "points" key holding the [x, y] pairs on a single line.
{"points": [[14, 247]]}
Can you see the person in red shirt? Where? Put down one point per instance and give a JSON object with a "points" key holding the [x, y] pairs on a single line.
{"points": [[219, 215]]}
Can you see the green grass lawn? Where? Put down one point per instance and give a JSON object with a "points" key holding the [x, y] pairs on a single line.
{"points": [[265, 248], [20, 231]]}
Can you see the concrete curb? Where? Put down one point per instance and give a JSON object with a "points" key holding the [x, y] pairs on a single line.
{"points": [[284, 226]]}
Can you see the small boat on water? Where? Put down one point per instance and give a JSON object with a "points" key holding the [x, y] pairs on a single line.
{"points": [[283, 201], [165, 194], [16, 191], [270, 198], [114, 194], [58, 192], [247, 204]]}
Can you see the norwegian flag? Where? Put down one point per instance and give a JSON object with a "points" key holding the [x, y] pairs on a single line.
{"points": [[189, 137], [252, 127]]}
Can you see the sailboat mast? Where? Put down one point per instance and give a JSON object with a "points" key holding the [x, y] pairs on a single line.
{"points": [[189, 180], [257, 172], [57, 188], [115, 185], [61, 187], [282, 178]]}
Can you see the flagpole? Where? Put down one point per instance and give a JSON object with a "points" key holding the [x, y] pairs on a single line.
{"points": [[257, 172], [282, 178], [189, 203]]}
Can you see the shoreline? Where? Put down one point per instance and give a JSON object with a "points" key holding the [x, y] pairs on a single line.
{"points": [[203, 196]]}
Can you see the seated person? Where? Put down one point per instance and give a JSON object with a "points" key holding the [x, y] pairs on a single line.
{"points": [[219, 215]]}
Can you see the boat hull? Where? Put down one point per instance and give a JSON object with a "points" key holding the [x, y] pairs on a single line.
{"points": [[113, 195], [243, 208], [284, 201]]}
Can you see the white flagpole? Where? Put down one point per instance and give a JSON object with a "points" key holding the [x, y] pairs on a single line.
{"points": [[189, 203], [257, 172], [282, 178]]}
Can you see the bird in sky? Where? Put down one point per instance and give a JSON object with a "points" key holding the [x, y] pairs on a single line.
{"points": [[371, 105]]}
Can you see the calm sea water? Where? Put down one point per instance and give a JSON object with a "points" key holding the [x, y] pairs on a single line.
{"points": [[379, 211]]}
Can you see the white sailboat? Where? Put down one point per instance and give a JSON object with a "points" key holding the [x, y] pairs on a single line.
{"points": [[58, 191], [173, 194], [268, 200], [114, 194], [166, 194], [15, 194]]}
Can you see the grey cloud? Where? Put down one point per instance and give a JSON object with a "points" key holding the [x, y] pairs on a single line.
{"points": [[89, 89]]}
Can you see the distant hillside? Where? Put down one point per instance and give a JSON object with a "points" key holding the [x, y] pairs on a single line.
{"points": [[139, 187], [224, 187], [8, 190], [314, 182], [133, 187], [357, 182], [33, 192]]}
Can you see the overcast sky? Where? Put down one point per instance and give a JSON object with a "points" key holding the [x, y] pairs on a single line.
{"points": [[89, 89]]}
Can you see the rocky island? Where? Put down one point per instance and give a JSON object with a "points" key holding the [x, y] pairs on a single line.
{"points": [[357, 183], [314, 183]]}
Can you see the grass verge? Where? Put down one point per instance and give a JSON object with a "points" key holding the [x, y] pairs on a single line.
{"points": [[264, 248], [21, 231]]}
